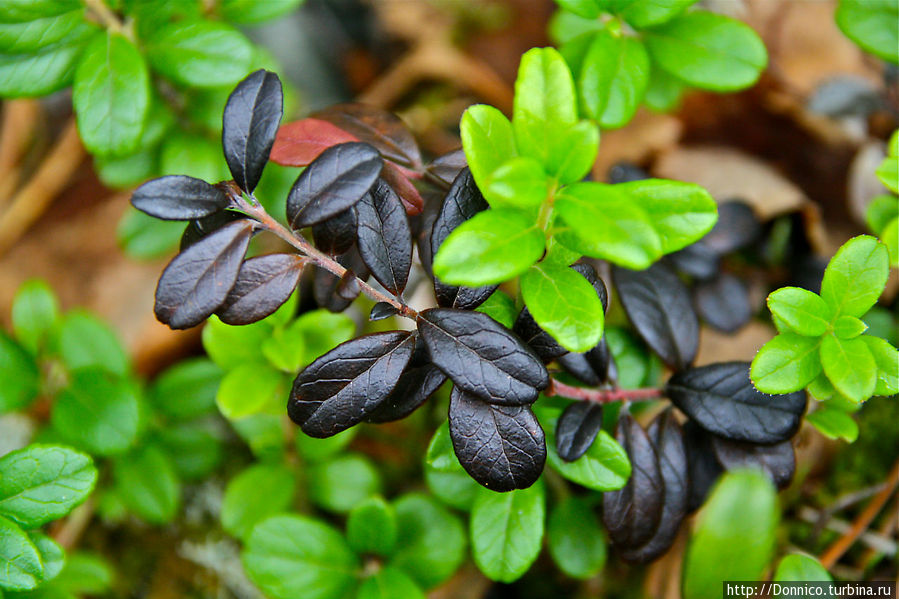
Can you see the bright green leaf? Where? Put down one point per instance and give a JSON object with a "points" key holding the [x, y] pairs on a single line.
{"points": [[264, 433], [200, 53], [604, 467], [849, 365], [146, 482], [252, 11], [708, 50], [371, 527], [637, 366], [613, 78], [856, 276], [440, 455], [890, 236], [389, 583], [83, 340], [487, 139], [888, 173], [834, 424], [456, 488], [800, 568], [52, 555], [260, 491], [588, 9], [20, 562], [85, 573], [35, 312], [144, 237], [338, 485], [322, 331], [230, 346], [848, 327], [664, 91], [575, 152], [17, 11], [785, 364], [820, 388], [518, 183], [313, 449], [249, 389], [30, 36], [122, 172], [801, 310], [493, 246], [35, 75], [20, 375], [500, 307], [187, 390], [576, 540], [887, 359], [645, 13], [189, 154], [872, 25], [195, 448], [430, 540]]}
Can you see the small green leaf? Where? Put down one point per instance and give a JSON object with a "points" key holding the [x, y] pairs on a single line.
{"points": [[187, 390], [389, 583], [98, 411], [456, 489], [430, 540], [734, 534], [576, 541], [820, 388], [250, 11], [189, 154], [888, 173], [322, 331], [35, 312], [17, 11], [834, 424], [52, 555], [849, 365], [637, 366], [111, 95], [488, 141], [318, 450], [146, 482], [200, 53], [613, 78], [785, 364], [230, 346], [856, 276], [144, 237], [500, 307], [371, 527], [85, 573], [565, 27], [708, 50], [607, 224], [518, 183], [260, 491], [872, 25], [507, 531], [340, 484], [664, 91], [195, 448], [544, 103], [800, 568], [493, 246], [848, 327], [604, 467], [20, 562], [264, 433], [31, 36], [557, 253], [588, 9], [20, 375], [886, 357], [296, 557], [564, 304], [249, 389], [121, 172], [35, 75], [41, 483], [440, 455], [801, 310], [83, 340], [890, 236], [575, 152], [646, 13]]}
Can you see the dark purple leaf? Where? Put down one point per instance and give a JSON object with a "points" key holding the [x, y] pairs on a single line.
{"points": [[737, 227], [667, 438], [348, 287], [599, 285], [444, 169], [384, 238], [382, 129], [263, 284], [462, 202], [198, 280], [333, 182], [336, 235], [382, 310], [179, 197], [577, 429], [601, 360], [702, 466], [696, 260], [721, 398], [501, 447], [198, 229], [658, 305], [325, 285], [577, 365], [340, 388], [723, 302], [778, 460], [418, 382], [631, 514], [250, 124], [300, 142], [412, 201], [482, 357], [539, 340], [625, 172]]}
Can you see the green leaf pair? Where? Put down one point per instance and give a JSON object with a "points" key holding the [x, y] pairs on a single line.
{"points": [[882, 214], [623, 53], [821, 345]]}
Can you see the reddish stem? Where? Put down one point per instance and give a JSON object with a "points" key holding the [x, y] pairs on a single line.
{"points": [[600, 395]]}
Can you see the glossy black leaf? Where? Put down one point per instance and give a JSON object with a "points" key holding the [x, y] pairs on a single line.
{"points": [[577, 428], [337, 234], [537, 339], [384, 238], [631, 514], [723, 303], [340, 388], [602, 362], [198, 280], [382, 310], [696, 260], [625, 172], [482, 357], [444, 169], [736, 227], [179, 197], [333, 182], [778, 460], [382, 129], [658, 305], [501, 447], [200, 228], [599, 285], [462, 202], [417, 383], [577, 365], [702, 465], [263, 284], [252, 115], [325, 285], [722, 399], [667, 438]]}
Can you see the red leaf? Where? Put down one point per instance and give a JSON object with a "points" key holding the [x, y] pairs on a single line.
{"points": [[399, 181], [300, 142]]}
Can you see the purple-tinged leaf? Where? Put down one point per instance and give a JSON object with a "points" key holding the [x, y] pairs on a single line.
{"points": [[197, 281], [348, 287], [482, 357], [778, 460], [337, 234], [444, 169], [179, 197], [382, 310], [411, 199], [263, 284], [502, 447], [250, 123], [333, 182], [696, 260], [300, 142], [736, 227], [384, 238], [702, 466], [417, 383], [577, 429], [599, 285], [536, 338], [340, 388], [200, 228], [723, 303], [577, 365], [325, 285], [382, 129]]}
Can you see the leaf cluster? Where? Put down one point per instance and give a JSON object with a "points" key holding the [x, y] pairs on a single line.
{"points": [[882, 214]]}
